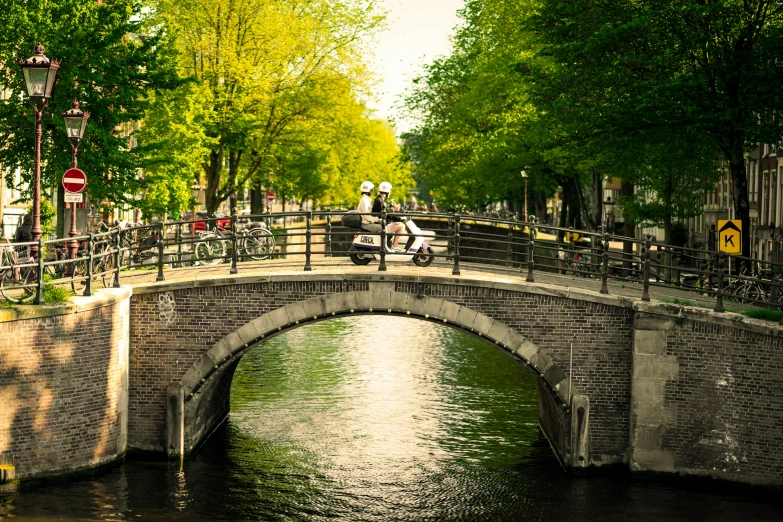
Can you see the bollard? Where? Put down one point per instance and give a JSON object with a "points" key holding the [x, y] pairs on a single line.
{"points": [[117, 260], [308, 242], [455, 270], [382, 266], [233, 242], [605, 266], [160, 277], [719, 291], [88, 283], [646, 271], [328, 237], [39, 288], [531, 252]]}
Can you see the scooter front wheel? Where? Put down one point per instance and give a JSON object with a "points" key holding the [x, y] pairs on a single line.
{"points": [[424, 257], [358, 257]]}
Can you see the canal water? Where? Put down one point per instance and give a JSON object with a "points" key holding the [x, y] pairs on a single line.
{"points": [[375, 419]]}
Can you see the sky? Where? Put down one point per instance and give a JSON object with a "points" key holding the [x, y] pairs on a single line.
{"points": [[418, 31]]}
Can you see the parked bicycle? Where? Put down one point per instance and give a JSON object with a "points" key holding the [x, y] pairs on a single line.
{"points": [[747, 291], [254, 240], [18, 283], [103, 263]]}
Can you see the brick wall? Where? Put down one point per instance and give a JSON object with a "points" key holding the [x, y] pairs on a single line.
{"points": [[728, 400], [63, 389]]}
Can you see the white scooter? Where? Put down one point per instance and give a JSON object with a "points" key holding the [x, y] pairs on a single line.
{"points": [[367, 246]]}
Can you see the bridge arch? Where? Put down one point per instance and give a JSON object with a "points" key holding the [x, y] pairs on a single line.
{"points": [[201, 400]]}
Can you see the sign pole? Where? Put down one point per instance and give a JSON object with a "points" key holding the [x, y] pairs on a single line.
{"points": [[73, 246]]}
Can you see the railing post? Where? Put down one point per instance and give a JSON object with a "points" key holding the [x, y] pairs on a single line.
{"points": [[646, 271], [605, 265], [308, 241], [118, 259], [39, 288], [233, 242], [160, 277], [531, 252], [328, 236], [382, 266], [90, 248], [719, 291], [455, 270]]}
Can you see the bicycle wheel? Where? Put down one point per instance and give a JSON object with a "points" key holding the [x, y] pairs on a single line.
{"points": [[9, 285], [211, 251], [106, 265], [79, 277], [258, 245]]}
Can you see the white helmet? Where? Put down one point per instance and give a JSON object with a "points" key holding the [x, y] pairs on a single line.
{"points": [[385, 186], [367, 186]]}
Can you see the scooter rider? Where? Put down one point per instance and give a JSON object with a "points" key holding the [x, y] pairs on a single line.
{"points": [[369, 223], [384, 190]]}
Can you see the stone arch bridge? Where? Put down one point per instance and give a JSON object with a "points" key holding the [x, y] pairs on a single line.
{"points": [[653, 387]]}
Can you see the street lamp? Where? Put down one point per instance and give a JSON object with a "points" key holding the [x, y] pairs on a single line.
{"points": [[524, 208], [39, 73], [75, 122], [609, 214]]}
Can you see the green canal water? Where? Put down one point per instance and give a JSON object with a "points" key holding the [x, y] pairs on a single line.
{"points": [[375, 419]]}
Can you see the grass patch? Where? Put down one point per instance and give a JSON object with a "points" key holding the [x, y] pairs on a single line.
{"points": [[765, 314], [683, 302]]}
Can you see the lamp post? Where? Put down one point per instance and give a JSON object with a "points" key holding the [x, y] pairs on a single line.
{"points": [[75, 123], [609, 214], [524, 208], [39, 74]]}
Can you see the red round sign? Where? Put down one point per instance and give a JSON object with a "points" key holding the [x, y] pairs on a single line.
{"points": [[271, 196], [74, 180]]}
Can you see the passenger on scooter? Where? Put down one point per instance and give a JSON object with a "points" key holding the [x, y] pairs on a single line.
{"points": [[395, 227], [369, 223]]}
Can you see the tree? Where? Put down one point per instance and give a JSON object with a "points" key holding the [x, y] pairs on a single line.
{"points": [[260, 61], [622, 67], [111, 60], [173, 145]]}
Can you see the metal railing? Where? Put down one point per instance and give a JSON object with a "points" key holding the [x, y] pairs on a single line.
{"points": [[478, 242]]}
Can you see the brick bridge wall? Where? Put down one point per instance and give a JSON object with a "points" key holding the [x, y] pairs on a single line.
{"points": [[165, 346], [63, 385]]}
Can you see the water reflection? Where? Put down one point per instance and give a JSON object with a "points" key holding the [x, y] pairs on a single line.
{"points": [[373, 418]]}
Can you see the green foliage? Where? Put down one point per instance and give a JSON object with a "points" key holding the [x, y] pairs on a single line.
{"points": [[267, 73], [107, 65], [765, 314], [55, 294], [48, 213]]}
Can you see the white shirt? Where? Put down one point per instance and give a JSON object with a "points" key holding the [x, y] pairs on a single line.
{"points": [[365, 206]]}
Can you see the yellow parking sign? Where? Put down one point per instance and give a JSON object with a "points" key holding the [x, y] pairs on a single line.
{"points": [[730, 236]]}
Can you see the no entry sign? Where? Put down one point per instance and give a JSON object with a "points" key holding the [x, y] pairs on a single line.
{"points": [[74, 180], [271, 196]]}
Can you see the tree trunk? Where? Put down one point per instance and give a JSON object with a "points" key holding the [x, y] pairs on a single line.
{"points": [[257, 200], [213, 169], [581, 200], [739, 181], [596, 200], [540, 201], [626, 189]]}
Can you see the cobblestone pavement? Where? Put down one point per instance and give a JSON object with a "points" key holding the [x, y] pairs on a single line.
{"points": [[616, 287]]}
